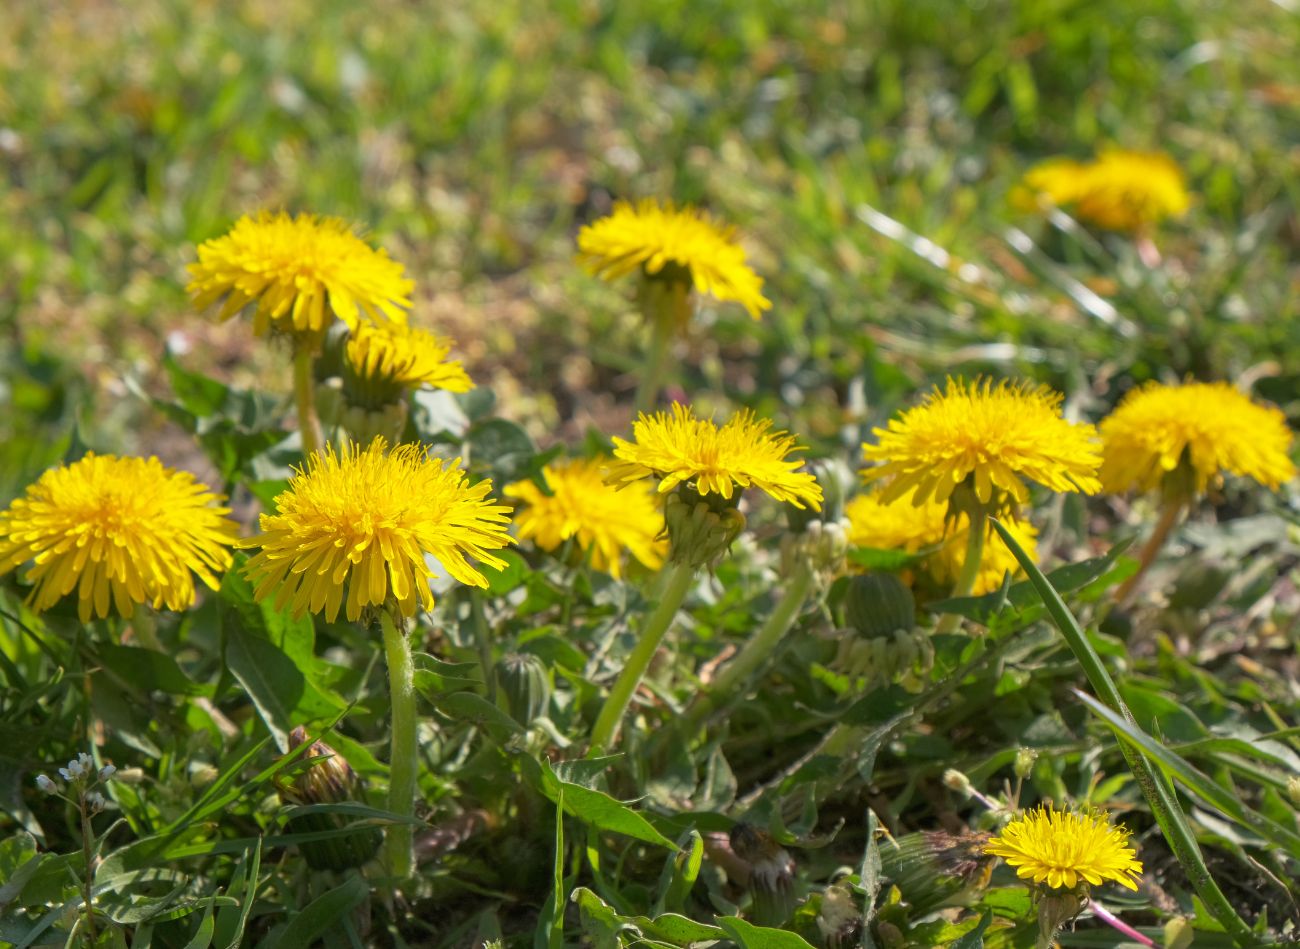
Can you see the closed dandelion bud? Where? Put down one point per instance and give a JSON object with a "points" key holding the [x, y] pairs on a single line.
{"points": [[877, 604], [936, 869], [525, 685], [329, 781], [954, 780], [1024, 763], [771, 873], [1293, 790], [891, 937], [1055, 909], [840, 918]]}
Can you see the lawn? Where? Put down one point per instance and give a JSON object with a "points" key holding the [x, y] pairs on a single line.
{"points": [[768, 707]]}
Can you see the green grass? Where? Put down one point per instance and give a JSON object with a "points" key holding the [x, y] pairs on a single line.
{"points": [[865, 152]]}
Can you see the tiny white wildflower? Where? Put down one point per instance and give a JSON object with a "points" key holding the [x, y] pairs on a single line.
{"points": [[107, 772], [46, 785]]}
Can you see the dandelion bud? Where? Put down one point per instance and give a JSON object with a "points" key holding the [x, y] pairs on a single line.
{"points": [[46, 785], [878, 604], [329, 781], [891, 937], [130, 775], [930, 869], [840, 918], [525, 685], [1055, 909], [954, 780], [771, 873], [1293, 790], [1024, 764]]}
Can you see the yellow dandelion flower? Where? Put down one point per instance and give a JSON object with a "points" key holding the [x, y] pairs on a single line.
{"points": [[679, 447], [991, 437], [1184, 437], [1065, 848], [301, 272], [395, 354], [605, 522], [1120, 190], [121, 531], [362, 523], [901, 525], [660, 239]]}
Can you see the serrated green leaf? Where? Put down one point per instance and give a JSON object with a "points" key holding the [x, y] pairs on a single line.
{"points": [[749, 936]]}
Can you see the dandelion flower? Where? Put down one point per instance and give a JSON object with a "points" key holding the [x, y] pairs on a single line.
{"points": [[605, 522], [395, 355], [1183, 438], [362, 523], [301, 272], [1064, 848], [992, 437], [1120, 190], [901, 525], [662, 240], [121, 531], [679, 447]]}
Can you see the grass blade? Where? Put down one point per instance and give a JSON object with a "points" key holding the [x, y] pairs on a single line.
{"points": [[1164, 805]]}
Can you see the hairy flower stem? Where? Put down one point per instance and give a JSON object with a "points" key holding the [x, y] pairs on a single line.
{"points": [[680, 577], [88, 877], [737, 672], [662, 329], [1147, 556], [970, 568], [304, 394], [403, 762]]}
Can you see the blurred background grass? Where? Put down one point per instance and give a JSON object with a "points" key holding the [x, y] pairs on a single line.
{"points": [[473, 139]]}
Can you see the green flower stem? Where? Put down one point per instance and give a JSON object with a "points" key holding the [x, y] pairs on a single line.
{"points": [[88, 878], [662, 329], [304, 394], [970, 568], [1147, 556], [680, 578], [737, 672], [1155, 786], [403, 762]]}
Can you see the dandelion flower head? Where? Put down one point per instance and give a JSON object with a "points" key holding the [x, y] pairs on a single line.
{"points": [[997, 436], [1126, 191], [655, 238], [361, 523], [1064, 848], [901, 525], [120, 531], [397, 354], [1199, 429], [605, 522], [677, 447], [301, 272]]}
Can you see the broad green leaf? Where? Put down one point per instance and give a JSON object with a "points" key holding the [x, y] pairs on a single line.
{"points": [[1023, 595], [149, 669], [749, 936], [594, 808], [975, 938], [322, 914]]}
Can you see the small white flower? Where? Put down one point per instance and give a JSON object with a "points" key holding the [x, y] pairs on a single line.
{"points": [[66, 774], [46, 785], [107, 772], [96, 801]]}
